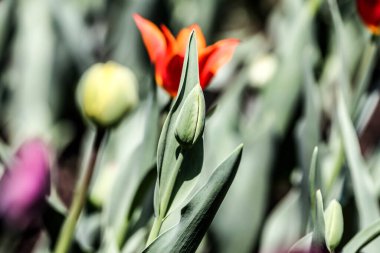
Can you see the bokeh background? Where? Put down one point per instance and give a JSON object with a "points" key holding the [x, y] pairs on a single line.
{"points": [[278, 96]]}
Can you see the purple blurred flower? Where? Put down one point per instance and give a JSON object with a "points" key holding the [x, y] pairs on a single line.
{"points": [[24, 186]]}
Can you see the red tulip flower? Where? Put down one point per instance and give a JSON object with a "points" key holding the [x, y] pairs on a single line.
{"points": [[369, 11], [168, 52]]}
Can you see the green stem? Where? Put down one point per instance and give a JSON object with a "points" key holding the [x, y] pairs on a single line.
{"points": [[68, 228], [164, 204]]}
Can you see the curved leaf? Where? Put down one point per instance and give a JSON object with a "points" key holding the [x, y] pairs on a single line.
{"points": [[362, 238], [197, 215]]}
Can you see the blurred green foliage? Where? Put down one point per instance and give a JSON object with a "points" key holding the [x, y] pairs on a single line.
{"points": [[304, 76]]}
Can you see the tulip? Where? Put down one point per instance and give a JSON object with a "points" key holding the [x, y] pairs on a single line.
{"points": [[167, 53], [369, 11], [25, 185], [107, 92]]}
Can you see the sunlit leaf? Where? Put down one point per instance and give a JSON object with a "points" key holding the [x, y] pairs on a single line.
{"points": [[197, 215]]}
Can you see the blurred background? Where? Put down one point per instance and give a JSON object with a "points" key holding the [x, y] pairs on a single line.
{"points": [[278, 96]]}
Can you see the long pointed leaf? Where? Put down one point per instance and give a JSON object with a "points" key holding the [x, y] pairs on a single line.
{"points": [[363, 186], [197, 215]]}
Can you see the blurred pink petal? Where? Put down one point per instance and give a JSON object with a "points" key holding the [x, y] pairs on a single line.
{"points": [[25, 185]]}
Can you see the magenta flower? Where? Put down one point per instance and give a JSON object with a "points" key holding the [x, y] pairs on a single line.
{"points": [[25, 185]]}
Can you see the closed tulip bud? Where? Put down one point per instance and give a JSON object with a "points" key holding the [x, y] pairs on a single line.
{"points": [[107, 92], [333, 224], [25, 185], [191, 119]]}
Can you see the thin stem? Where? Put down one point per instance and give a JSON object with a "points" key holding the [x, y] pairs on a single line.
{"points": [[87, 168], [164, 204]]}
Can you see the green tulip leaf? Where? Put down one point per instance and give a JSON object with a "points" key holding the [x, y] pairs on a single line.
{"points": [[363, 186], [284, 226], [319, 226], [197, 215], [361, 239], [135, 161]]}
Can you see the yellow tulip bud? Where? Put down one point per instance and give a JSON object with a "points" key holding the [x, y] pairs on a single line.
{"points": [[107, 92]]}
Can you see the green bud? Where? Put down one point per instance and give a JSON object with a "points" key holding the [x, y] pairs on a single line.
{"points": [[107, 92], [191, 119], [333, 225]]}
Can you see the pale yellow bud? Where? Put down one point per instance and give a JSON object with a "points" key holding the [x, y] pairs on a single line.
{"points": [[333, 224], [107, 92]]}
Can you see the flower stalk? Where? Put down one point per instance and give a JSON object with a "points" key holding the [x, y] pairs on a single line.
{"points": [[165, 201], [80, 193]]}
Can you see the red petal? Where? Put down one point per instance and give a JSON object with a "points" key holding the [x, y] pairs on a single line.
{"points": [[214, 57], [370, 13], [183, 38], [152, 37], [170, 40], [172, 74]]}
